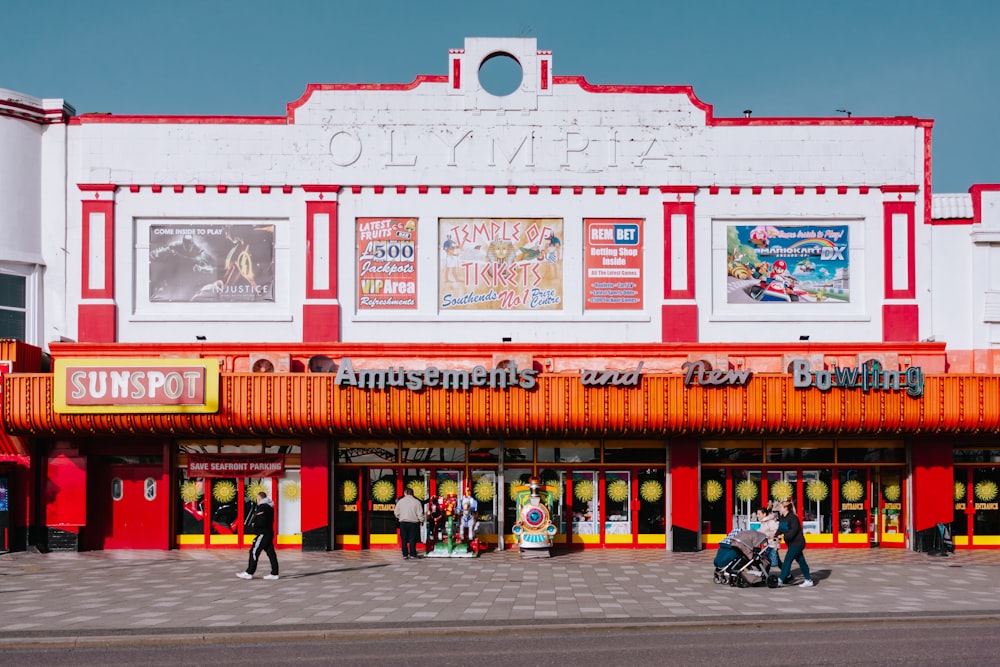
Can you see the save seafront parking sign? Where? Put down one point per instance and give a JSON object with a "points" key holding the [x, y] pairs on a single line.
{"points": [[136, 385]]}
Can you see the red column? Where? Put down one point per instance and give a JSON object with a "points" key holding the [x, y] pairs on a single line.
{"points": [[317, 515], [97, 314], [65, 499], [900, 318], [933, 483], [685, 505], [678, 312], [321, 310]]}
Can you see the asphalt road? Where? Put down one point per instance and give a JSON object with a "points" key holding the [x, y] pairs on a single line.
{"points": [[777, 643]]}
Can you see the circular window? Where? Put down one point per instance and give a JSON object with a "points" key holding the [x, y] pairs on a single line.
{"points": [[500, 74]]}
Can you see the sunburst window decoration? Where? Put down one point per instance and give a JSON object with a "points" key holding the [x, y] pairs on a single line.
{"points": [[892, 492], [986, 490], [291, 490], [959, 491], [583, 489], [190, 491], [852, 491], [712, 490], [617, 491], [348, 491], [253, 489], [224, 491], [483, 490], [817, 491], [651, 491], [418, 488], [447, 487], [383, 491], [781, 490], [746, 490], [554, 483], [511, 493]]}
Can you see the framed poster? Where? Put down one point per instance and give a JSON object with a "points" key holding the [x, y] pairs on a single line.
{"points": [[790, 264], [211, 262], [500, 264], [612, 264], [386, 263]]}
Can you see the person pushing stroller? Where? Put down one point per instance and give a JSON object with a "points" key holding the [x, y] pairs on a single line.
{"points": [[769, 526]]}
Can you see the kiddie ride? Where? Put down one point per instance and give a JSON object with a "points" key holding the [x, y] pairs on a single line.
{"points": [[534, 528], [451, 527]]}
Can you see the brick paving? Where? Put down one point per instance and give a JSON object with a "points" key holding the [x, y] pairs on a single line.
{"points": [[160, 592]]}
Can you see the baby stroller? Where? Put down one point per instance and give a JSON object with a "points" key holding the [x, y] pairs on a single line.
{"points": [[742, 560]]}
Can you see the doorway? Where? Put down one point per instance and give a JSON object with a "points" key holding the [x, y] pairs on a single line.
{"points": [[977, 510], [134, 508]]}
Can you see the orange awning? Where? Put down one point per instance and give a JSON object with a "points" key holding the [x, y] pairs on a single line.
{"points": [[12, 445], [286, 404]]}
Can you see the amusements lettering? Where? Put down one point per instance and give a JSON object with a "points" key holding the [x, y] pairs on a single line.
{"points": [[432, 377]]}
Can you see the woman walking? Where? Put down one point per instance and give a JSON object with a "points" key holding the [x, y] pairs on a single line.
{"points": [[791, 528]]}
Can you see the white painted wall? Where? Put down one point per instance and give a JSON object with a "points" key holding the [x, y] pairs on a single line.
{"points": [[433, 134], [32, 182]]}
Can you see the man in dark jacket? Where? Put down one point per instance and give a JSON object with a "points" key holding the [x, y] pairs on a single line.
{"points": [[263, 523]]}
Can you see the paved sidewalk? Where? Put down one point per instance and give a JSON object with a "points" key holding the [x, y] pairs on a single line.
{"points": [[128, 593]]}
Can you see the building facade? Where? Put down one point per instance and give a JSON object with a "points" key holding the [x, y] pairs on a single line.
{"points": [[671, 317]]}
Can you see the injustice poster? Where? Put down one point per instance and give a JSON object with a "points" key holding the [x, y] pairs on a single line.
{"points": [[211, 263]]}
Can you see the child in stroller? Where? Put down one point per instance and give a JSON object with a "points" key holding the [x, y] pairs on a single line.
{"points": [[742, 560]]}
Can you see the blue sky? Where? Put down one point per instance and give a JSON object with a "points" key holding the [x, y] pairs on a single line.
{"points": [[931, 59]]}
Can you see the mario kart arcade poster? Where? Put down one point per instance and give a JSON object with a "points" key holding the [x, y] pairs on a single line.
{"points": [[787, 264]]}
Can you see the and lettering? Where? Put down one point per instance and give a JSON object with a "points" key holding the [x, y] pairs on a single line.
{"points": [[610, 378]]}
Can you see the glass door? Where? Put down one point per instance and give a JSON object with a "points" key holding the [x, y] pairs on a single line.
{"points": [[976, 518], [747, 496], [651, 524], [513, 477], [556, 478], [418, 481], [381, 504], [618, 505], [484, 490], [855, 496], [219, 510], [348, 484], [584, 505], [984, 488], [890, 501]]}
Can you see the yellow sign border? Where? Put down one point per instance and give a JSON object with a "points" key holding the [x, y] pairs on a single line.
{"points": [[210, 366]]}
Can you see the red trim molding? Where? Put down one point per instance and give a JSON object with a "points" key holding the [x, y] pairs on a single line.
{"points": [[90, 210], [679, 323], [671, 209], [314, 209], [977, 199], [97, 322], [909, 210], [320, 323], [900, 323]]}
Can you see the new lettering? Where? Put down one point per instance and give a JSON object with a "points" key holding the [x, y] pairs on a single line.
{"points": [[697, 372]]}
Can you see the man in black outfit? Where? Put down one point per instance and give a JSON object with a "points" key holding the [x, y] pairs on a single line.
{"points": [[263, 523]]}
